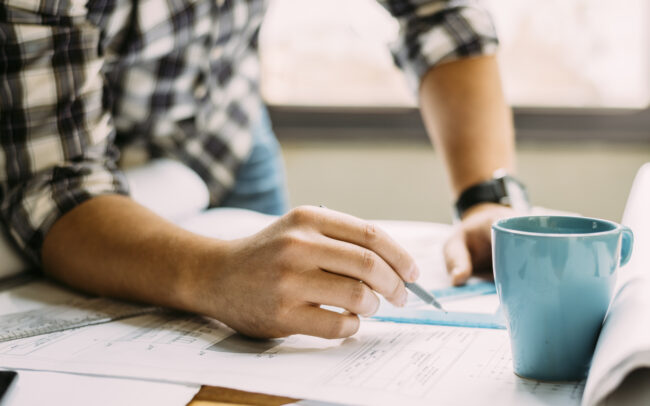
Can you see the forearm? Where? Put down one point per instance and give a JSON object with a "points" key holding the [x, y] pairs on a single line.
{"points": [[112, 246], [270, 284], [466, 115]]}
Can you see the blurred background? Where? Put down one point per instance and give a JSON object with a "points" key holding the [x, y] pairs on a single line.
{"points": [[577, 73]]}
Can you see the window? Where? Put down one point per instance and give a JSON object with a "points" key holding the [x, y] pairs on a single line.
{"points": [[555, 53]]}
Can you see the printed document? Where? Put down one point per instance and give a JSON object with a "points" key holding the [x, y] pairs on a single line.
{"points": [[384, 364]]}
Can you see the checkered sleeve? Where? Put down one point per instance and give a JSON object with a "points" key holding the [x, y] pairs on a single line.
{"points": [[438, 31], [56, 133]]}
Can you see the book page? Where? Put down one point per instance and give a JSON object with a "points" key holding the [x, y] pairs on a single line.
{"points": [[624, 342]]}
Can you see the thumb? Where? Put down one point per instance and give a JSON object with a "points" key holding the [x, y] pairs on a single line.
{"points": [[458, 258]]}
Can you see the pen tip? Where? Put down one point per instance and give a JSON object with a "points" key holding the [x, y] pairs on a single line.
{"points": [[438, 306]]}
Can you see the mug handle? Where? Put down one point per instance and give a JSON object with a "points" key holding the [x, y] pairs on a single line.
{"points": [[626, 246]]}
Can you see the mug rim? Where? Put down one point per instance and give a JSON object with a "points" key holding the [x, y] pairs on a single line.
{"points": [[496, 226]]}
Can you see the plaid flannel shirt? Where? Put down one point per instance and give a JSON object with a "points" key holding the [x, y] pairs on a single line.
{"points": [[80, 79]]}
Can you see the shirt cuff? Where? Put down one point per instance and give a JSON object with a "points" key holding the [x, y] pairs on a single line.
{"points": [[443, 35], [30, 209]]}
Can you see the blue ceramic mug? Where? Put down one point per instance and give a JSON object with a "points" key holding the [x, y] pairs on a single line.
{"points": [[555, 277]]}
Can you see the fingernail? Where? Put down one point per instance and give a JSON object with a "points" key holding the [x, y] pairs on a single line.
{"points": [[370, 314], [414, 274], [457, 275], [401, 302]]}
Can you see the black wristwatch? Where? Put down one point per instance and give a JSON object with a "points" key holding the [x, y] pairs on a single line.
{"points": [[502, 189]]}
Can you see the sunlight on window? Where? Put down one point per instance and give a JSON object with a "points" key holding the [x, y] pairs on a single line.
{"points": [[330, 52], [577, 53], [574, 52]]}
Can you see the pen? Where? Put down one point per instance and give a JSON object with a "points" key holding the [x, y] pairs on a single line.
{"points": [[423, 294]]}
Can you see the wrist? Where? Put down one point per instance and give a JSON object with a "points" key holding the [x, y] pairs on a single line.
{"points": [[502, 189], [486, 207], [200, 266]]}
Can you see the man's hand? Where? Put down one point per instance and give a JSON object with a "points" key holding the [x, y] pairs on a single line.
{"points": [[469, 250], [270, 284], [273, 283]]}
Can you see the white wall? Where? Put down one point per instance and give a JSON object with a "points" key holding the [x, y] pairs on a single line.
{"points": [[407, 180]]}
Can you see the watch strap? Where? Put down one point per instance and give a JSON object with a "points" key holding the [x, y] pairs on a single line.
{"points": [[492, 191]]}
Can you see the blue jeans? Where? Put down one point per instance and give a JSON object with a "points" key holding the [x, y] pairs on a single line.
{"points": [[260, 182]]}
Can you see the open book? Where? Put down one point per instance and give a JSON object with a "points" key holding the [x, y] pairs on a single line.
{"points": [[620, 369]]}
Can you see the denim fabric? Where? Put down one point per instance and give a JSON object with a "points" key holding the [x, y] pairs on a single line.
{"points": [[260, 181]]}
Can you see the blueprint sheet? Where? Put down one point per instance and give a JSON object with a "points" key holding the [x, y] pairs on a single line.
{"points": [[384, 363]]}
